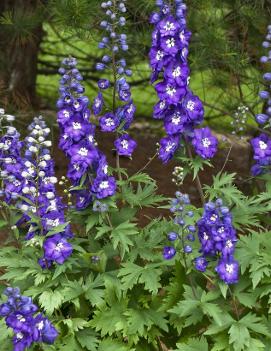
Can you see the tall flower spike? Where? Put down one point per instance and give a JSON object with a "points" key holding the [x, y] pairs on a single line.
{"points": [[184, 235], [29, 183], [262, 145], [87, 166], [115, 44], [29, 326], [218, 238], [50, 208], [180, 110]]}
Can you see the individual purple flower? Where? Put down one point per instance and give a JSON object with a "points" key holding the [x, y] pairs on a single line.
{"points": [[262, 148], [228, 271], [104, 187], [169, 252], [168, 26], [201, 263], [205, 143], [109, 122], [98, 104], [103, 84], [57, 249], [170, 92], [176, 122], [125, 145], [168, 147], [194, 108]]}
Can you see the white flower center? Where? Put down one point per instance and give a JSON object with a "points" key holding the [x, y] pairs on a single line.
{"points": [[229, 244], [104, 185], [21, 318], [59, 247], [213, 218], [170, 43], [221, 230], [83, 151], [176, 72], [19, 336], [169, 26], [76, 167], [52, 222], [159, 55], [98, 102], [176, 119], [40, 325], [206, 142], [76, 125], [109, 122], [190, 105], [125, 144], [170, 146], [263, 145], [205, 236], [162, 105], [105, 169], [170, 90], [66, 113], [229, 268]]}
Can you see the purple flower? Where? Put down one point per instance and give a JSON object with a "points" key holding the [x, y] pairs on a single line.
{"points": [[176, 122], [262, 148], [103, 84], [194, 108], [170, 45], [170, 92], [168, 147], [104, 187], [109, 122], [98, 104], [205, 143], [201, 263], [168, 26], [177, 72], [57, 249], [125, 145], [228, 270], [169, 252]]}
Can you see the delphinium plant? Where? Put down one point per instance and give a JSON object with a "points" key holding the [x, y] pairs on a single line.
{"points": [[198, 279], [118, 116]]}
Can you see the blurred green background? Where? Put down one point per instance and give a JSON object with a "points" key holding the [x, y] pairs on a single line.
{"points": [[36, 35]]}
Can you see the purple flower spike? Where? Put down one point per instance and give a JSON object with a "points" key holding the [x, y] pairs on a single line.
{"points": [[180, 110]]}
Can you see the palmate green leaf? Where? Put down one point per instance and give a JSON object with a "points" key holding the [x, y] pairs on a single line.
{"points": [[223, 187], [50, 300], [149, 275], [121, 234], [75, 324], [239, 337], [94, 291], [72, 290], [109, 320], [255, 324], [142, 196], [141, 320], [87, 338], [193, 344]]}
